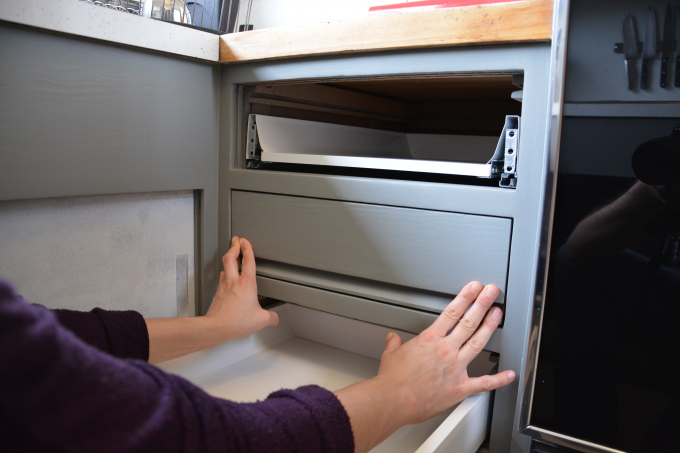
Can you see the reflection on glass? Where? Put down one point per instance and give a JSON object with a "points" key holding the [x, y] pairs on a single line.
{"points": [[610, 350]]}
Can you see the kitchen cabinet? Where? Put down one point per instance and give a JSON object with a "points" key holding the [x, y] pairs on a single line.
{"points": [[124, 115], [313, 347]]}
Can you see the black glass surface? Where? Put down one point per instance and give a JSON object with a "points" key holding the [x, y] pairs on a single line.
{"points": [[609, 357]]}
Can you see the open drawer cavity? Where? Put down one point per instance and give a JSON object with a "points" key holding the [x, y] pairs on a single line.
{"points": [[448, 126], [313, 347], [416, 258]]}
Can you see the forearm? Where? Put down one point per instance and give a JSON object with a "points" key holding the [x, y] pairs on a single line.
{"points": [[82, 399], [122, 334], [234, 313], [375, 411], [170, 338]]}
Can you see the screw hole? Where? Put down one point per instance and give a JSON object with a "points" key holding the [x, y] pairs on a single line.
{"points": [[508, 168], [511, 151], [252, 140], [511, 133], [252, 128]]}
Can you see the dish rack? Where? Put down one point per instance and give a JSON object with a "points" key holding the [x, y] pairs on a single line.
{"points": [[126, 6], [201, 14]]}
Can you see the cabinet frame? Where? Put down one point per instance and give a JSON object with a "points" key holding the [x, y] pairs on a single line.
{"points": [[523, 204]]}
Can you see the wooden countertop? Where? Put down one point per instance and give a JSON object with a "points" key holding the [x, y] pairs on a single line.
{"points": [[503, 23]]}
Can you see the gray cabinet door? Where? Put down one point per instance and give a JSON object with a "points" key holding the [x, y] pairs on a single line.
{"points": [[417, 248]]}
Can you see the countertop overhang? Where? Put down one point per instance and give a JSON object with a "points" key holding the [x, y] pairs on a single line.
{"points": [[501, 23], [522, 21]]}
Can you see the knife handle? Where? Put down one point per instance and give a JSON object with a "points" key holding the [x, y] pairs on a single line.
{"points": [[628, 65], [677, 72], [643, 75], [664, 72]]}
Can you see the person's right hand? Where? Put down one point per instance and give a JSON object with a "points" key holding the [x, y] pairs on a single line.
{"points": [[431, 370], [427, 375]]}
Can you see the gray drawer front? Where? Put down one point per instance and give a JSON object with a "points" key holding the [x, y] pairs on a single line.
{"points": [[429, 250]]}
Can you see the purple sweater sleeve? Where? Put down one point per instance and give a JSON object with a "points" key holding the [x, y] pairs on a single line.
{"points": [[120, 333], [60, 394]]}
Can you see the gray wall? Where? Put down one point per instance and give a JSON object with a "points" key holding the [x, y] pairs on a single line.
{"points": [[118, 252], [594, 72], [595, 81], [79, 117]]}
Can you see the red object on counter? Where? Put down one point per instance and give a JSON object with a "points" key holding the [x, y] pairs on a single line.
{"points": [[428, 5]]}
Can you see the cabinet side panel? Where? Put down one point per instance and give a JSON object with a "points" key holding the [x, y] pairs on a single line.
{"points": [[82, 118]]}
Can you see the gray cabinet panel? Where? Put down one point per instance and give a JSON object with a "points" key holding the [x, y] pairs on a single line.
{"points": [[370, 289], [80, 117], [430, 250], [116, 252]]}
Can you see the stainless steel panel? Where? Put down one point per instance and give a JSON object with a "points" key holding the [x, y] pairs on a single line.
{"points": [[558, 56]]}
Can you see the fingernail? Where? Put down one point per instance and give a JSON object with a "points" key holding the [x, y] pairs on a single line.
{"points": [[491, 291], [497, 313], [240, 241], [233, 240], [476, 287], [389, 336], [511, 375]]}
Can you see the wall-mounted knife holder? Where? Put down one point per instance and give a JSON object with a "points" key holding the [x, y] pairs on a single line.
{"points": [[651, 48], [618, 47], [412, 128]]}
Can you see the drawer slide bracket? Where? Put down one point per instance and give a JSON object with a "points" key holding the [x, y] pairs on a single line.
{"points": [[253, 148], [509, 143]]}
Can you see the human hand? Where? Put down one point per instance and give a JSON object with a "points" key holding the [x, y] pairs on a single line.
{"points": [[235, 311], [427, 375], [430, 371]]}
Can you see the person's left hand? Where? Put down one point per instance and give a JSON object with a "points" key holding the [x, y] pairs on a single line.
{"points": [[235, 311]]}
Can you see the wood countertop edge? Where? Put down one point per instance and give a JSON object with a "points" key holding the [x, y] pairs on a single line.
{"points": [[506, 23]]}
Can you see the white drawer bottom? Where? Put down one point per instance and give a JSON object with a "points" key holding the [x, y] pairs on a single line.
{"points": [[313, 347]]}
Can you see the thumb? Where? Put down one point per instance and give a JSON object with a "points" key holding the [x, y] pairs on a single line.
{"points": [[393, 343], [274, 319]]}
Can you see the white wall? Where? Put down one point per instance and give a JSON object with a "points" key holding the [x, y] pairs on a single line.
{"points": [[110, 251], [286, 13]]}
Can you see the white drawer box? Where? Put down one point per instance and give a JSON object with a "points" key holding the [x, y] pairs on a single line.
{"points": [[313, 347]]}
